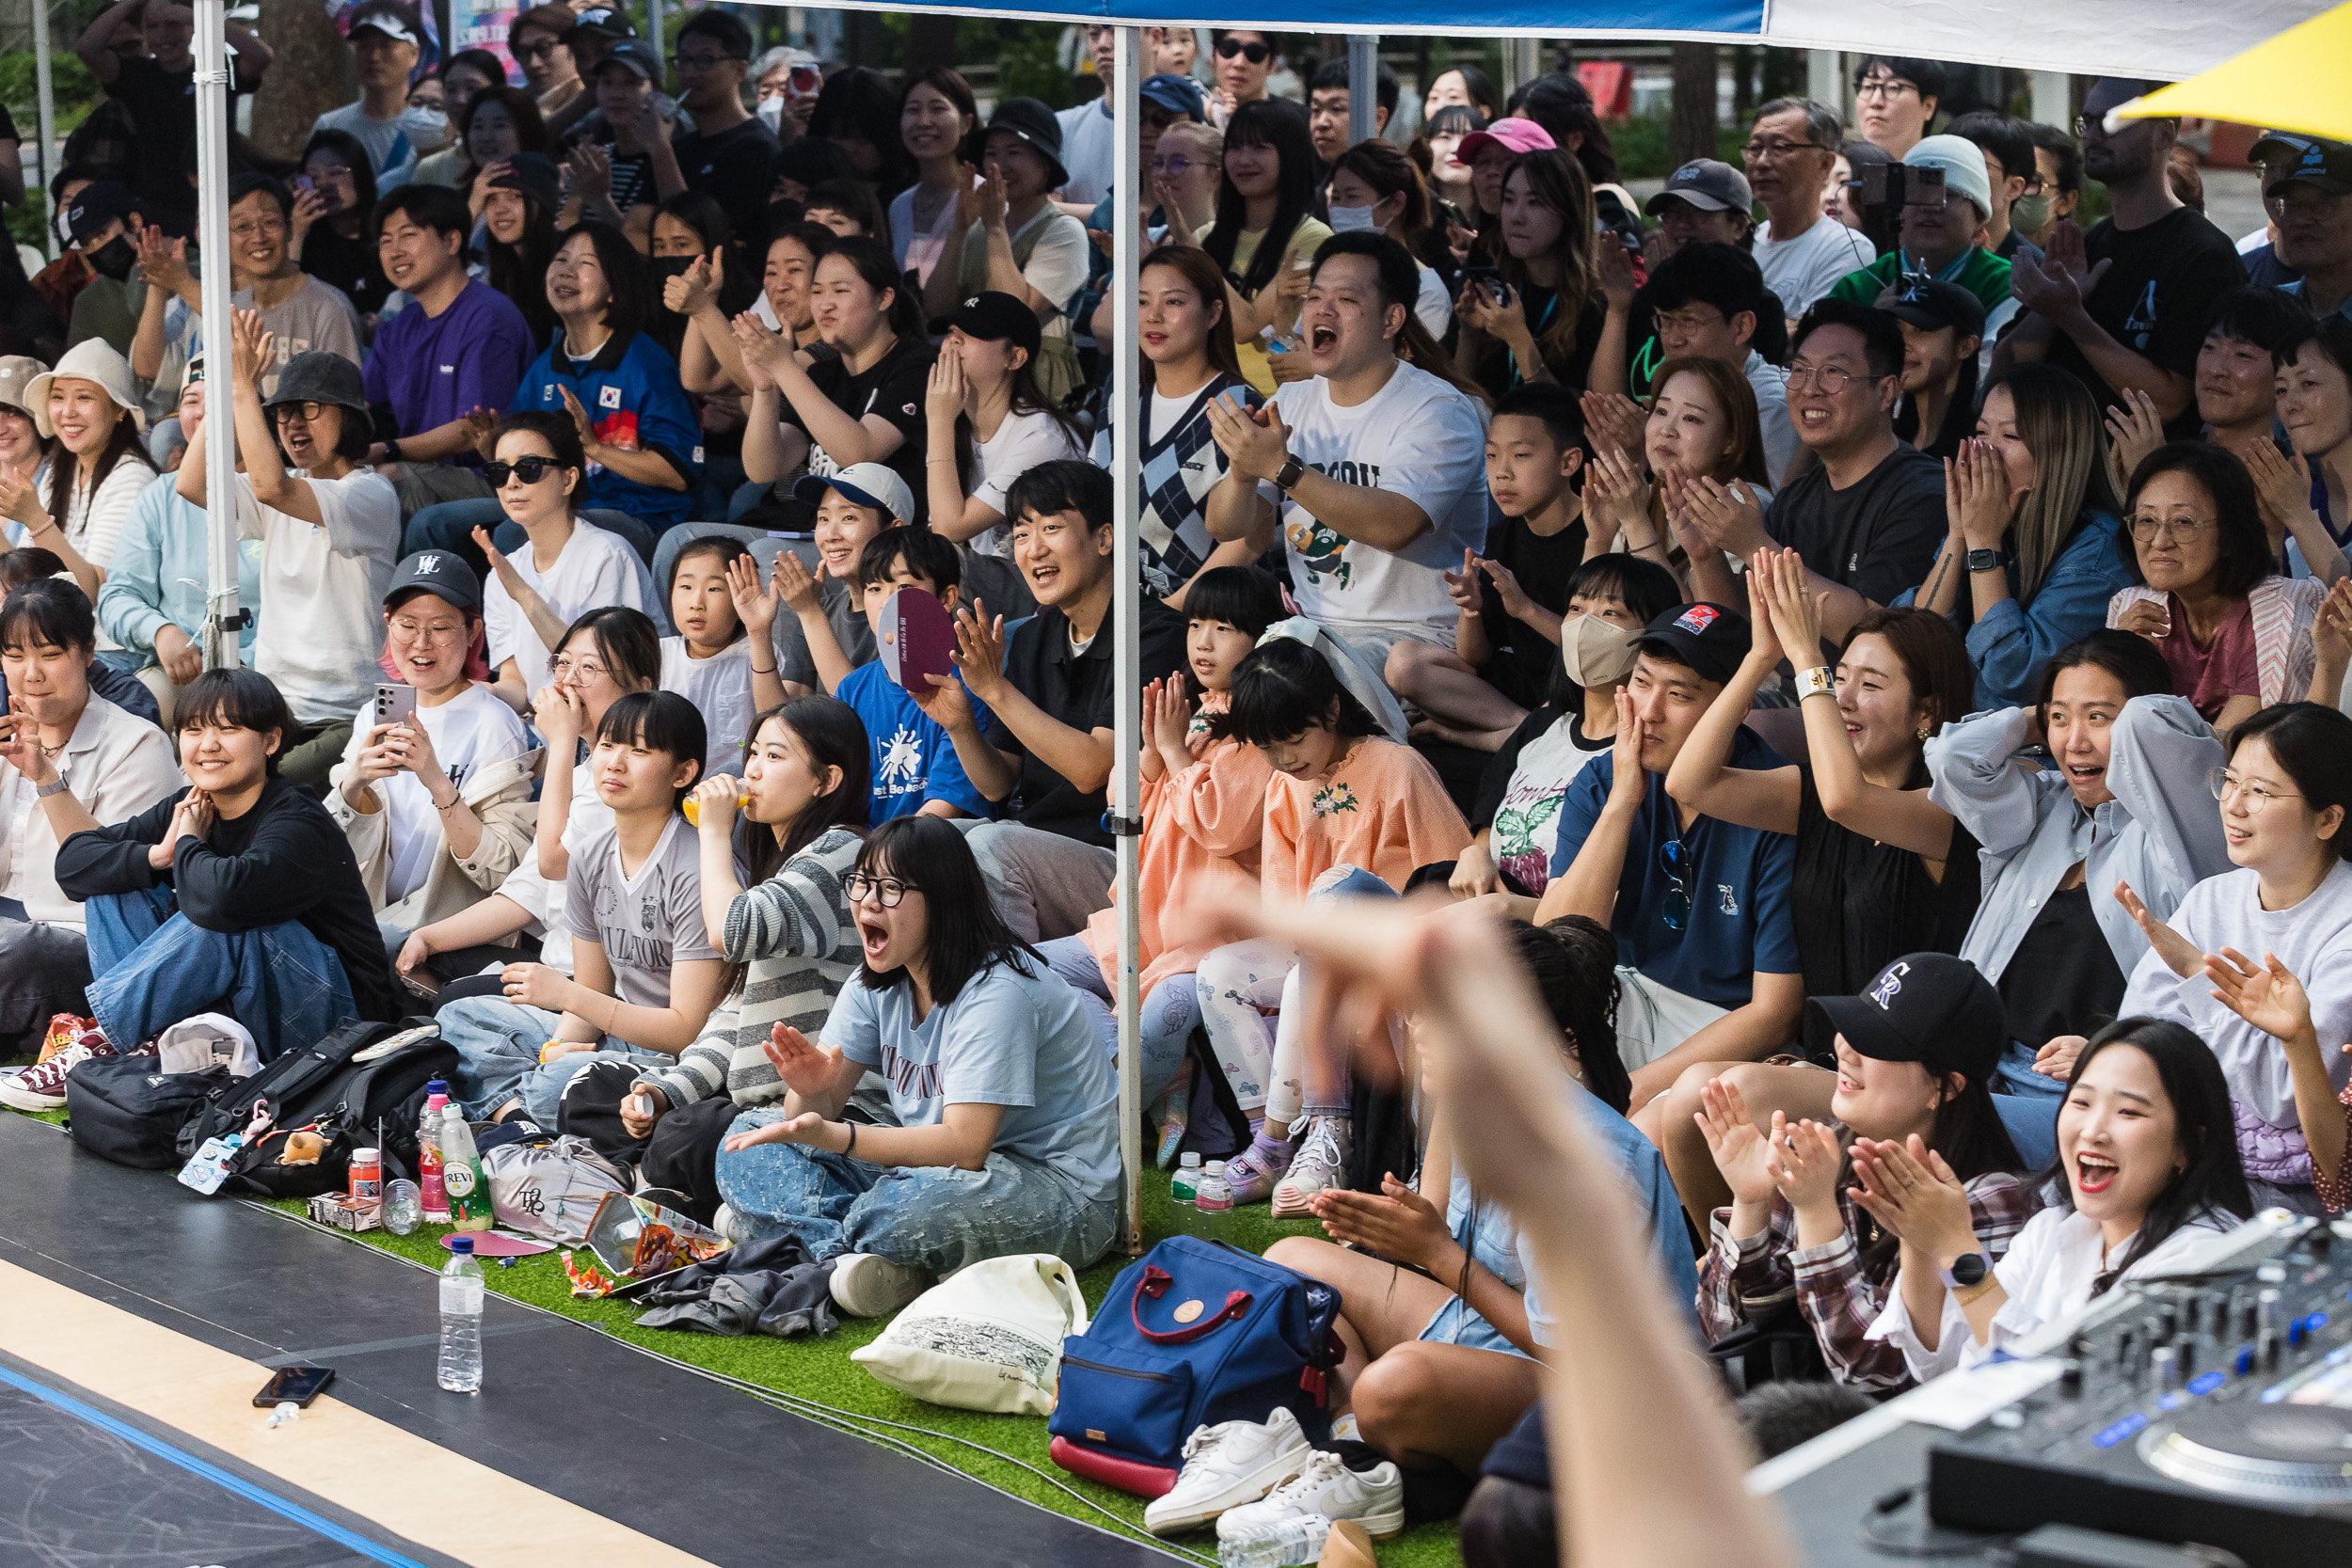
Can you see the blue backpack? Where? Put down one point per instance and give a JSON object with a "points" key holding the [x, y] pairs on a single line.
{"points": [[1195, 1333]]}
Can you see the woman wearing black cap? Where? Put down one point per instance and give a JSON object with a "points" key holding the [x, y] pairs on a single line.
{"points": [[1016, 241], [1915, 1053], [983, 390]]}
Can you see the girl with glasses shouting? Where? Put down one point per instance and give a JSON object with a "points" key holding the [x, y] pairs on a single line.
{"points": [[1001, 1133], [2236, 636], [2258, 961]]}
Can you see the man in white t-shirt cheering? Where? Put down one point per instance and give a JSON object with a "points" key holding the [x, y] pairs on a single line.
{"points": [[1377, 466]]}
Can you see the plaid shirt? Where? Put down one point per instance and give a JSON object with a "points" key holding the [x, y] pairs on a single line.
{"points": [[1840, 1300]]}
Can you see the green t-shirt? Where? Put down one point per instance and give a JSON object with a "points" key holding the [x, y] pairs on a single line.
{"points": [[1977, 270]]}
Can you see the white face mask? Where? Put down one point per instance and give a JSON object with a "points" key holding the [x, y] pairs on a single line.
{"points": [[1595, 653], [772, 112], [1352, 220]]}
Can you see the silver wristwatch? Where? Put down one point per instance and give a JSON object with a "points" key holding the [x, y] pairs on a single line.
{"points": [[55, 787]]}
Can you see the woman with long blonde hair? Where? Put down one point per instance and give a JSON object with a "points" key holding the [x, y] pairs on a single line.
{"points": [[2032, 490]]}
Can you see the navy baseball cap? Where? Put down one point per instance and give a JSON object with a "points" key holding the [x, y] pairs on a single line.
{"points": [[439, 574], [2324, 165], [1179, 95], [1708, 638]]}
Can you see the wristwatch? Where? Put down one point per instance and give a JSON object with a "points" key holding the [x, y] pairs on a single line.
{"points": [[1986, 561], [1816, 682], [392, 450], [1289, 474], [1968, 1272], [55, 787]]}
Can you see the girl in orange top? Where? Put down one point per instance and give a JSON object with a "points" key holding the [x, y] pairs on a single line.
{"points": [[1346, 797], [1203, 798]]}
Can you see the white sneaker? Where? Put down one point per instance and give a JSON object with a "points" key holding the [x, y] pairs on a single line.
{"points": [[1320, 1163], [865, 1285], [1375, 1499], [725, 1224], [1226, 1466]]}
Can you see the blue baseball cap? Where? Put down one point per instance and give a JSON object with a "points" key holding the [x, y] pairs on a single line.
{"points": [[1179, 95]]}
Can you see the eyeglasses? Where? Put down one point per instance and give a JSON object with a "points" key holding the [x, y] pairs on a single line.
{"points": [[1688, 321], [530, 470], [539, 50], [1884, 88], [2225, 783], [1831, 379], [306, 412], [1766, 151], [2147, 530], [888, 891], [251, 226], [440, 631], [565, 669], [1674, 859], [1174, 166], [1256, 53]]}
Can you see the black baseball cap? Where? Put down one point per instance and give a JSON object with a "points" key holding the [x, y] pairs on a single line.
{"points": [[2324, 165], [637, 55], [1710, 184], [96, 205], [439, 574], [610, 21], [1927, 1008], [535, 174], [1932, 306], [994, 316], [1708, 638]]}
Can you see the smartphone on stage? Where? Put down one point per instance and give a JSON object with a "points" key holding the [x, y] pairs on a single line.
{"points": [[296, 1385]]}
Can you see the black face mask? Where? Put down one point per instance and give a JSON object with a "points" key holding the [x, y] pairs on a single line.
{"points": [[113, 259], [667, 267]]}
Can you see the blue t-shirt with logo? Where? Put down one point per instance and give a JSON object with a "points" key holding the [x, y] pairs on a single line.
{"points": [[913, 760], [1020, 1041], [633, 395], [1741, 923]]}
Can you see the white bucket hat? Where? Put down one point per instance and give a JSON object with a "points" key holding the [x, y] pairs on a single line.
{"points": [[1360, 681], [95, 361]]}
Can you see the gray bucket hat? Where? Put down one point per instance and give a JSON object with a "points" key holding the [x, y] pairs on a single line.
{"points": [[17, 371], [323, 376]]}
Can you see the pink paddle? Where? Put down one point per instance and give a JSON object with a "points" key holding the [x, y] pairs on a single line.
{"points": [[500, 1243]]}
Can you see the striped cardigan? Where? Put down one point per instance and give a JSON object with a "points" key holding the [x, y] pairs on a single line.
{"points": [[2283, 609], [796, 936]]}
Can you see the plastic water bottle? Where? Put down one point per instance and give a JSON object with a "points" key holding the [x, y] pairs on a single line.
{"points": [[1297, 1540], [461, 1320], [461, 1174], [1187, 1182], [1213, 1200], [433, 1197]]}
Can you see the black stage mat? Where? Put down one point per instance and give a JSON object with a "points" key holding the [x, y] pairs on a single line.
{"points": [[570, 1411]]}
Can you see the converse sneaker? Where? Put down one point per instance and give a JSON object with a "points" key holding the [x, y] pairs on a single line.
{"points": [[866, 1285], [41, 1087], [1375, 1499], [1226, 1466], [1320, 1163], [1252, 1172]]}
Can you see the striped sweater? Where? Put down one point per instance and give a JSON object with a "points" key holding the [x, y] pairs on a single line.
{"points": [[794, 934]]}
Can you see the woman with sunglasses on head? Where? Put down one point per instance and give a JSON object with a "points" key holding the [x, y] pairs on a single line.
{"points": [[568, 564], [2030, 493], [2259, 960], [601, 658], [2148, 1180], [1264, 237], [1003, 1123], [2124, 802], [2236, 636], [330, 537], [436, 805]]}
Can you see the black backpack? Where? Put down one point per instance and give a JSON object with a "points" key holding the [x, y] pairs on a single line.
{"points": [[127, 1110], [321, 1090]]}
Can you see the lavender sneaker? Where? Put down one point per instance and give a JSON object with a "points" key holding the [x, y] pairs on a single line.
{"points": [[1253, 1172]]}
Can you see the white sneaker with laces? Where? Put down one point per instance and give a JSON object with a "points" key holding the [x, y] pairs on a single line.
{"points": [[1226, 1466], [1320, 1163], [1375, 1499], [866, 1285]]}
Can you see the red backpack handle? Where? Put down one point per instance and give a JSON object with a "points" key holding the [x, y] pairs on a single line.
{"points": [[1155, 1284]]}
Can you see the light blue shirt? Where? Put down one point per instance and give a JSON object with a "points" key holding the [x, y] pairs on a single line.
{"points": [[2010, 645], [2162, 833], [161, 564], [1020, 1041]]}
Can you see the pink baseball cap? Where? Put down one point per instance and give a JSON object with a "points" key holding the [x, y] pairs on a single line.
{"points": [[1519, 135]]}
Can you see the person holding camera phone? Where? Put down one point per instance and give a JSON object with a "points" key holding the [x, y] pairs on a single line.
{"points": [[434, 790], [1944, 197]]}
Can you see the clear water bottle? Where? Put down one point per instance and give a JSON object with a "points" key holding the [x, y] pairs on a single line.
{"points": [[1294, 1542], [432, 1197], [1187, 1183], [461, 1318], [1212, 1200]]}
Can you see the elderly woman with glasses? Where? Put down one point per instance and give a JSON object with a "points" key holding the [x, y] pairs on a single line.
{"points": [[434, 791], [2236, 635]]}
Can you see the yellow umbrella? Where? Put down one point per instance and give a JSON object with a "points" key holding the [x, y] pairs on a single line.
{"points": [[2293, 81]]}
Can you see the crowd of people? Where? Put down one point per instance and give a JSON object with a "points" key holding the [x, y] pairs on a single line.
{"points": [[1736, 636]]}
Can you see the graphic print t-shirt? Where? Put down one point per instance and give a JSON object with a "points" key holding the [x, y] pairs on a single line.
{"points": [[645, 922]]}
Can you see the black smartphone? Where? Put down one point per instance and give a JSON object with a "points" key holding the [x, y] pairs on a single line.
{"points": [[1487, 281], [297, 1385], [1449, 213]]}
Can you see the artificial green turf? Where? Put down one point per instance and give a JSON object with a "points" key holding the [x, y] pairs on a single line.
{"points": [[819, 1370]]}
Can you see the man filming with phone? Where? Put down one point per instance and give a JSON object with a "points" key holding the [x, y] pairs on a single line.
{"points": [[1945, 195]]}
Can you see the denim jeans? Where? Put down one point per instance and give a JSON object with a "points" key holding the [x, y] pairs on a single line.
{"points": [[1170, 1012], [2028, 1103], [155, 967], [497, 1045], [936, 1218], [449, 525]]}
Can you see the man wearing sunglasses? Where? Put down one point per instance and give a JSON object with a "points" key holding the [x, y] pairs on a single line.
{"points": [[1244, 62], [1707, 941]]}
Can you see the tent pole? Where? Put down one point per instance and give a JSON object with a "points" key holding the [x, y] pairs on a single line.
{"points": [[1127, 611], [652, 32], [212, 234], [46, 94], [1363, 70]]}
